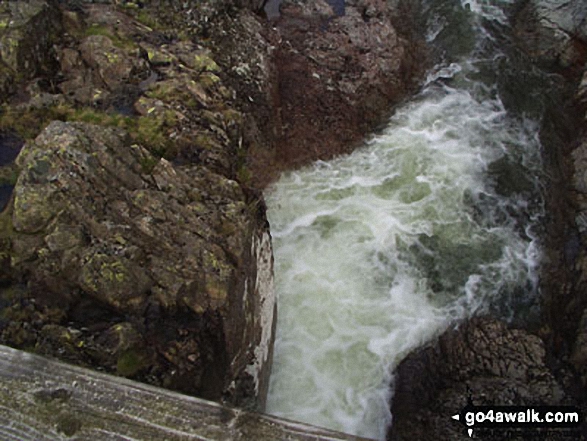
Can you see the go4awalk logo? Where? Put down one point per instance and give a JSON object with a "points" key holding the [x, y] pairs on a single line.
{"points": [[519, 417]]}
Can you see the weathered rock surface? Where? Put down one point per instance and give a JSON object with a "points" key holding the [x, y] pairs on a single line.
{"points": [[128, 244], [173, 265], [483, 361], [28, 31], [133, 242], [338, 74], [554, 32]]}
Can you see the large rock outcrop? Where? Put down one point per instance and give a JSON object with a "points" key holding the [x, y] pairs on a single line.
{"points": [[483, 361], [555, 34], [129, 245], [135, 241], [173, 264], [338, 70]]}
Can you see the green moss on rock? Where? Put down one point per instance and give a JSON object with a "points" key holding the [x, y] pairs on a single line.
{"points": [[116, 39], [130, 362], [114, 280]]}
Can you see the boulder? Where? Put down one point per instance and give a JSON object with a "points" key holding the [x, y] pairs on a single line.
{"points": [[28, 31], [151, 270]]}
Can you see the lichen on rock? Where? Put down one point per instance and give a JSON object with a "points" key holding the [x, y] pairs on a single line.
{"points": [[134, 235], [129, 238], [159, 248], [28, 31]]}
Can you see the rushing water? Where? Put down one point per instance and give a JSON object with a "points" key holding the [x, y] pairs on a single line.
{"points": [[431, 221]]}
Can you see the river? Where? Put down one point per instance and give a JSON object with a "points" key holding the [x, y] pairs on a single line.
{"points": [[434, 219]]}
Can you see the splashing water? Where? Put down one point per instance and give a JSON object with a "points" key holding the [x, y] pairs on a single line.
{"points": [[378, 251]]}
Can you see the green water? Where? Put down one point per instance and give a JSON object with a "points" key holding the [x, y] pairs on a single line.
{"points": [[429, 222]]}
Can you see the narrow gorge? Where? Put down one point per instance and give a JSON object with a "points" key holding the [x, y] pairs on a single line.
{"points": [[435, 219], [357, 214]]}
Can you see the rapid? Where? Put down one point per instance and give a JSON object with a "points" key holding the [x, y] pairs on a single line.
{"points": [[433, 219]]}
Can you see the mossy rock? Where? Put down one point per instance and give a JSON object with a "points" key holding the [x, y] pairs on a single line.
{"points": [[29, 31], [131, 362]]}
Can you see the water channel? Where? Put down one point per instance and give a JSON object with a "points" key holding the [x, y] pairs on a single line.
{"points": [[434, 219]]}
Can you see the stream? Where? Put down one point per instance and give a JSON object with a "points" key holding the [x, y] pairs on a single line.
{"points": [[432, 220]]}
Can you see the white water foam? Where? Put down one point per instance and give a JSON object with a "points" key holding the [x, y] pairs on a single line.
{"points": [[378, 251]]}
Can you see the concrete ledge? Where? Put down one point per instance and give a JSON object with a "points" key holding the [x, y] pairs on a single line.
{"points": [[42, 399]]}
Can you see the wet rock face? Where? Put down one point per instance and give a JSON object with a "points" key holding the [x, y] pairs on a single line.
{"points": [[554, 32], [555, 35], [339, 68], [483, 360]]}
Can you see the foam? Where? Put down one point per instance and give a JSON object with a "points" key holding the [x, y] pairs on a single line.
{"points": [[376, 252]]}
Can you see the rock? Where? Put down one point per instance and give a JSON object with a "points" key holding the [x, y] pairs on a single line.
{"points": [[567, 306], [482, 360], [110, 63], [178, 251], [134, 241], [568, 16], [105, 68], [338, 76], [582, 89], [28, 31], [554, 32], [198, 17], [579, 353]]}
